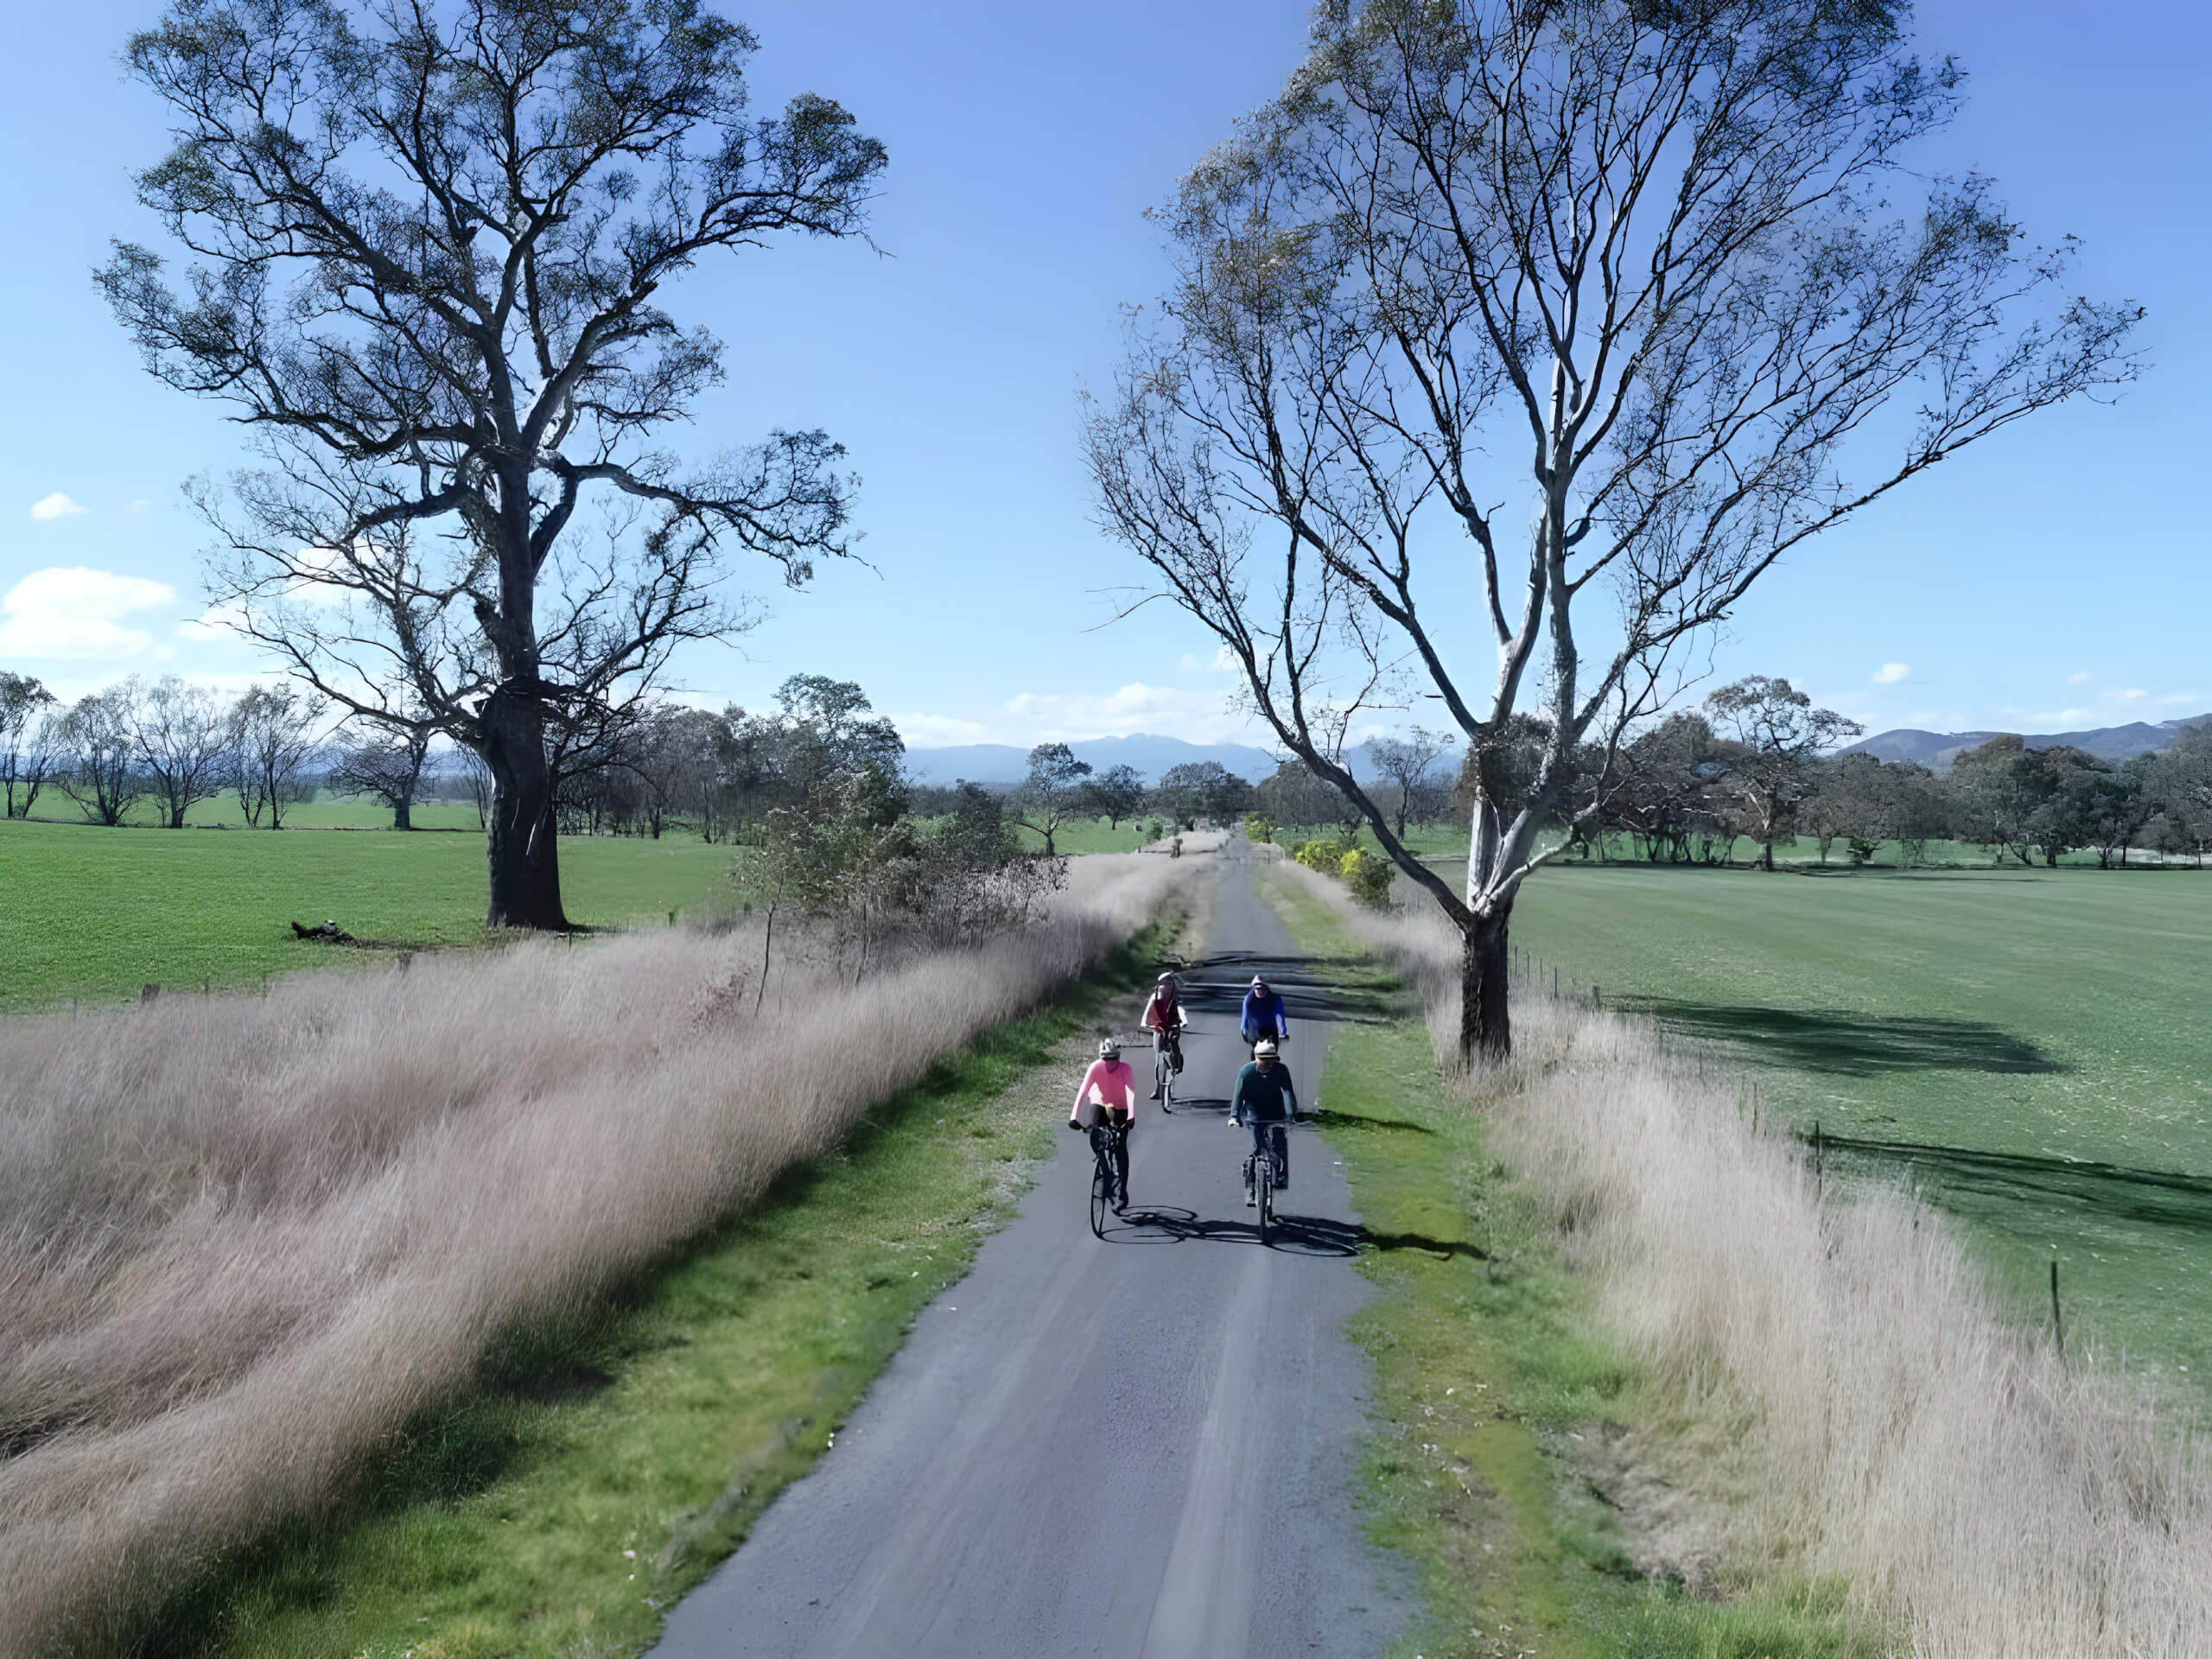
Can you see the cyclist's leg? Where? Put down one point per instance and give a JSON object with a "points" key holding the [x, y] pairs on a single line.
{"points": [[1258, 1132], [1282, 1150], [1121, 1167]]}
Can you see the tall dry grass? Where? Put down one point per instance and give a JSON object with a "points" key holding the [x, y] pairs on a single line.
{"points": [[1885, 1421], [242, 1239]]}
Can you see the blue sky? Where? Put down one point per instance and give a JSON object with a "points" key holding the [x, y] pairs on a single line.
{"points": [[2060, 575]]}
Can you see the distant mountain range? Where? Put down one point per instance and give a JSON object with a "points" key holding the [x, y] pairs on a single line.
{"points": [[1003, 763], [1936, 750]]}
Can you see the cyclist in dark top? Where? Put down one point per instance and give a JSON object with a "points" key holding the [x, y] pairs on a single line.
{"points": [[1264, 1102]]}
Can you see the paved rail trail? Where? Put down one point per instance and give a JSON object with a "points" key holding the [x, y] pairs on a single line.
{"points": [[1141, 1448]]}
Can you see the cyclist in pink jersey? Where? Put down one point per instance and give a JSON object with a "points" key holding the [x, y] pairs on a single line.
{"points": [[1110, 1087]]}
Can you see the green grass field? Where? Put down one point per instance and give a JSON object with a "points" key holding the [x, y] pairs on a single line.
{"points": [[96, 912], [2041, 1034]]}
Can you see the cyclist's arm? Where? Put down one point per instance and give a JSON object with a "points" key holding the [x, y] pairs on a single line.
{"points": [[1237, 1106], [1082, 1091]]}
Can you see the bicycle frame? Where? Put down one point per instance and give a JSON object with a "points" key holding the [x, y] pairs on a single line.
{"points": [[1106, 1139], [1260, 1175]]}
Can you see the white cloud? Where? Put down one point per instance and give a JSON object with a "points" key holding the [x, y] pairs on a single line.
{"points": [[1223, 661], [2061, 718], [56, 505], [141, 505], [2130, 696], [70, 611], [1891, 673], [2175, 699], [2082, 678], [940, 731]]}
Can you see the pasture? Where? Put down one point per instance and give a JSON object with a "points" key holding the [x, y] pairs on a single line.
{"points": [[1089, 836], [2036, 1039], [94, 912]]}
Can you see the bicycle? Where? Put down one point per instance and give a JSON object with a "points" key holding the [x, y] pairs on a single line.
{"points": [[1260, 1179], [1107, 1141], [1167, 1061]]}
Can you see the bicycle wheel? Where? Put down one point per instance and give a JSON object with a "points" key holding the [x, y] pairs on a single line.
{"points": [[1263, 1189], [1163, 1073], [1102, 1193]]}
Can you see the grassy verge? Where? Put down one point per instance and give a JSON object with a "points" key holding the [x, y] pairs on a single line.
{"points": [[602, 1468], [1500, 1466], [2036, 1039]]}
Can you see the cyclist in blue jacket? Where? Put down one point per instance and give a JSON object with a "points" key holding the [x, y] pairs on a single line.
{"points": [[1263, 1015]]}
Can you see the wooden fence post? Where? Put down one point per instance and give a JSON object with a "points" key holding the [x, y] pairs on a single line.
{"points": [[2058, 1320]]}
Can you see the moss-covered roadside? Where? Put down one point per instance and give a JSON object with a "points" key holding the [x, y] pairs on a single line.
{"points": [[1495, 1465], [602, 1469]]}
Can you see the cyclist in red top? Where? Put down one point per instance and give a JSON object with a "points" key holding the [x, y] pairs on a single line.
{"points": [[1165, 1014]]}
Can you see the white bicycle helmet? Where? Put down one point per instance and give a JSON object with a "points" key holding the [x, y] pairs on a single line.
{"points": [[1109, 1049], [1265, 1048]]}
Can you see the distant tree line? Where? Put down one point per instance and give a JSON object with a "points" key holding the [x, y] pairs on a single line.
{"points": [[1756, 763], [170, 742]]}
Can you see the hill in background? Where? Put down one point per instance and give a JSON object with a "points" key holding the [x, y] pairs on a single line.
{"points": [[1003, 763], [1936, 750]]}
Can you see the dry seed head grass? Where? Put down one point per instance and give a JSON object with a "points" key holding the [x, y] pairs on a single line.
{"points": [[246, 1238], [1983, 1497]]}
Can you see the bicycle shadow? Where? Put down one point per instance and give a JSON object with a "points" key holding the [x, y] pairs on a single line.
{"points": [[1294, 1235]]}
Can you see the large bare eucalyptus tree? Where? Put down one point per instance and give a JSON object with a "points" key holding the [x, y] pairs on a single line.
{"points": [[429, 245], [1516, 339]]}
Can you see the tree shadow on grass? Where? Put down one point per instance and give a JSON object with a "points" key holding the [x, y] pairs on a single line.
{"points": [[1853, 1044], [2114, 1191]]}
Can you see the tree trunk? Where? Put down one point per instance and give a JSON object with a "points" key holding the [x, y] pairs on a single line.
{"points": [[402, 815], [1485, 1018], [520, 842]]}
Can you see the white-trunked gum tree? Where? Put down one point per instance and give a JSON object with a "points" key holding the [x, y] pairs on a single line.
{"points": [[429, 247], [1552, 323]]}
